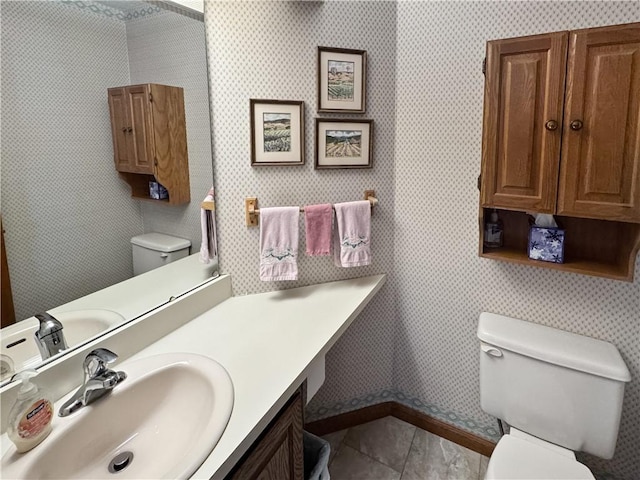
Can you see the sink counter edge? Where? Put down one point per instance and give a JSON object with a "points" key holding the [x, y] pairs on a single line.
{"points": [[267, 343]]}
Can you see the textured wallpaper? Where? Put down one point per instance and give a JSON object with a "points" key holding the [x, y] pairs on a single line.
{"points": [[442, 284], [425, 94], [267, 50]]}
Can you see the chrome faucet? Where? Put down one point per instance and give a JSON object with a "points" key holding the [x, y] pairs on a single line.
{"points": [[98, 380], [49, 336]]}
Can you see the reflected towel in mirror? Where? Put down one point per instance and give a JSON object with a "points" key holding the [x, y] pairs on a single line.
{"points": [[208, 248]]}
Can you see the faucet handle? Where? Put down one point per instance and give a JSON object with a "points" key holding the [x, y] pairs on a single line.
{"points": [[96, 362]]}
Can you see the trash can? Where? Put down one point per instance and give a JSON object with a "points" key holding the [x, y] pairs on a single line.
{"points": [[316, 457]]}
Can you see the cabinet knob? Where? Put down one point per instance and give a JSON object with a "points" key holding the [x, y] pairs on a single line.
{"points": [[551, 125], [124, 129], [129, 129], [576, 125]]}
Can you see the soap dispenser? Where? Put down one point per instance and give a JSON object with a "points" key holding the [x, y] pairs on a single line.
{"points": [[30, 417]]}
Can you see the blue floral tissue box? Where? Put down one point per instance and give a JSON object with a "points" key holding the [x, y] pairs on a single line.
{"points": [[157, 191], [546, 244]]}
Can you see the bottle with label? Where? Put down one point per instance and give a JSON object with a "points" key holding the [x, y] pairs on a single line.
{"points": [[493, 231], [30, 417]]}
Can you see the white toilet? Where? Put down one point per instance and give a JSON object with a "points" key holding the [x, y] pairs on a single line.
{"points": [[560, 392], [153, 250]]}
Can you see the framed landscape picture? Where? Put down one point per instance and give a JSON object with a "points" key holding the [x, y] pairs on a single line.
{"points": [[342, 78], [277, 132], [344, 143]]}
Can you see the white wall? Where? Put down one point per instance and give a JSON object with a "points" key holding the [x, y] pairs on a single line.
{"points": [[197, 5]]}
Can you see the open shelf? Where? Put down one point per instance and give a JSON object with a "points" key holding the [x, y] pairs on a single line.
{"points": [[140, 186], [592, 247]]}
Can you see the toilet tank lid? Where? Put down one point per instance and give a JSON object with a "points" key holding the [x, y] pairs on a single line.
{"points": [[160, 242], [559, 347]]}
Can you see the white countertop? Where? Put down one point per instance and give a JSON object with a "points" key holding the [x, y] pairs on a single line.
{"points": [[266, 342]]}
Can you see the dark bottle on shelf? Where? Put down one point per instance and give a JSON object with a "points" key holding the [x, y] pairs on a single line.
{"points": [[493, 231]]}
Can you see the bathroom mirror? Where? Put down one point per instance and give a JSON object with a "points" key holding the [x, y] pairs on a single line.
{"points": [[67, 216]]}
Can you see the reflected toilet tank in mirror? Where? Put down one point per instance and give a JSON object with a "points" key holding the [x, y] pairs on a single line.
{"points": [[68, 217]]}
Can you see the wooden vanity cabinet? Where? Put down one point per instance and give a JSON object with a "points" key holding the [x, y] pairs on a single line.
{"points": [[567, 145], [278, 453], [150, 139]]}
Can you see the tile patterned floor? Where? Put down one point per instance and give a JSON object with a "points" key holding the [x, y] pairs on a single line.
{"points": [[391, 449]]}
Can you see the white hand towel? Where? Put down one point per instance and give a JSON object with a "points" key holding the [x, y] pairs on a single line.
{"points": [[208, 247], [352, 247], [279, 243]]}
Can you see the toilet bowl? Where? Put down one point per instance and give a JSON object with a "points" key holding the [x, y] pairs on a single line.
{"points": [[520, 456], [559, 392]]}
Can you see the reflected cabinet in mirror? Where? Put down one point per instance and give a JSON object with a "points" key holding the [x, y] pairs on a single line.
{"points": [[68, 215]]}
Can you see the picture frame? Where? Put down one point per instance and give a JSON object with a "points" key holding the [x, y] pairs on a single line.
{"points": [[344, 143], [277, 132], [342, 80]]}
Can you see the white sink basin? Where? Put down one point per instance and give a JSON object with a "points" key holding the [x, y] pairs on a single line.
{"points": [[78, 326], [170, 413]]}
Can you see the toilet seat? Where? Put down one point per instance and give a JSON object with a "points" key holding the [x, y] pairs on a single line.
{"points": [[516, 458]]}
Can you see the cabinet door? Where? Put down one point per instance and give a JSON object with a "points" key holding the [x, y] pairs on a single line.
{"points": [[277, 454], [170, 141], [141, 135], [600, 173], [524, 91], [119, 111]]}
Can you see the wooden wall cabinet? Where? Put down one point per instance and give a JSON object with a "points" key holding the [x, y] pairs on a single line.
{"points": [[600, 167], [524, 93], [561, 135], [150, 139], [278, 452]]}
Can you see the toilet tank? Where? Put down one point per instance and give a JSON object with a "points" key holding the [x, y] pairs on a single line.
{"points": [[153, 250], [561, 387]]}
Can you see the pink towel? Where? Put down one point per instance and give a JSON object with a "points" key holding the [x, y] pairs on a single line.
{"points": [[208, 248], [279, 243], [317, 222], [353, 238]]}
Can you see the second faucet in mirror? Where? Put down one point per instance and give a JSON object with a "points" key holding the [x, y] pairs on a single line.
{"points": [[49, 336]]}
